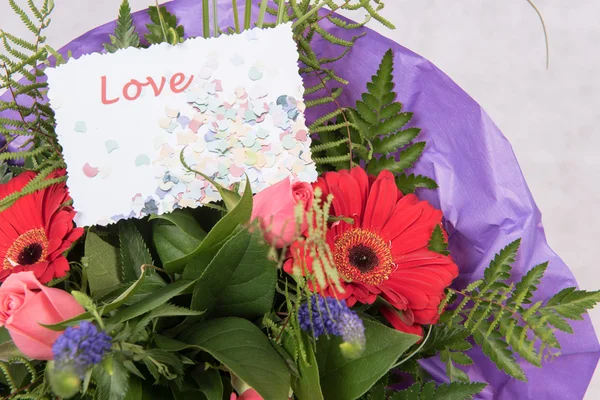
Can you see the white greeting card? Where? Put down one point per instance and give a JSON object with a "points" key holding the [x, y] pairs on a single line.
{"points": [[232, 104]]}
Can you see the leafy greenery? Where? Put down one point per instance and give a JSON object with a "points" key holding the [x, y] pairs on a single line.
{"points": [[125, 35], [26, 113], [342, 378], [504, 319], [451, 391], [375, 134], [164, 27]]}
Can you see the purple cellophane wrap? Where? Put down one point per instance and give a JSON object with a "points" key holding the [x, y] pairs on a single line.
{"points": [[482, 193]]}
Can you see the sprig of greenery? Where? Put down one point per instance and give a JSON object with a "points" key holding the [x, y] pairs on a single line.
{"points": [[164, 27], [445, 391], [125, 35], [503, 318], [376, 134]]}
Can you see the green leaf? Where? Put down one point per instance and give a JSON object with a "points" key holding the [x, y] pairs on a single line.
{"points": [[125, 35], [392, 125], [437, 242], [113, 305], [496, 350], [176, 235], [307, 385], [160, 26], [408, 183], [8, 350], [112, 379], [240, 280], [445, 391], [134, 252], [170, 310], [209, 382], [342, 378], [572, 303], [135, 391], [101, 263], [527, 286], [500, 266], [199, 259], [251, 358], [392, 143], [230, 198], [160, 297]]}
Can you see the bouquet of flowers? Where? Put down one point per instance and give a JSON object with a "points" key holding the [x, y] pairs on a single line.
{"points": [[376, 281]]}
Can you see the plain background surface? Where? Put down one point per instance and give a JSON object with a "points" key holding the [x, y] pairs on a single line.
{"points": [[494, 50]]}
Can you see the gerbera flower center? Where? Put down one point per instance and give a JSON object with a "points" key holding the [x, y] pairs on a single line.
{"points": [[362, 255], [29, 248]]}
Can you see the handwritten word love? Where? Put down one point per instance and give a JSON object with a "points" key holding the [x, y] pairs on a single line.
{"points": [[133, 89]]}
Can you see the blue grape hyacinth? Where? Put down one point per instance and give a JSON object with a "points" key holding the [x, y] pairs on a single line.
{"points": [[80, 347], [330, 316]]}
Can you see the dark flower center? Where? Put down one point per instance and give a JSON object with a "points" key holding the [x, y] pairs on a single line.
{"points": [[29, 248], [362, 257], [30, 254]]}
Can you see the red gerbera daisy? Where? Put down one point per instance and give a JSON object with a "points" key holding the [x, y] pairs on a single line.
{"points": [[385, 251], [36, 230]]}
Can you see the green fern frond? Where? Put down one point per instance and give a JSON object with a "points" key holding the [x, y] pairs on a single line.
{"points": [[409, 183], [125, 35], [164, 27], [502, 319], [445, 391]]}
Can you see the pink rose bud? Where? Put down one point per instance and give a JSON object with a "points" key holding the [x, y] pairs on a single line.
{"points": [[275, 208], [25, 304]]}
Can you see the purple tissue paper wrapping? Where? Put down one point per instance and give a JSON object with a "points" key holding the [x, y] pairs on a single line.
{"points": [[482, 193]]}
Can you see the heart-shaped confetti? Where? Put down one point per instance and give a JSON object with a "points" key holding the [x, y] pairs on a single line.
{"points": [[111, 145], [237, 60], [89, 171], [171, 113], [142, 160], [254, 74], [80, 127]]}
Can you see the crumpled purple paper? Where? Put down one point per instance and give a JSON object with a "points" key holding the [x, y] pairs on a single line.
{"points": [[483, 195]]}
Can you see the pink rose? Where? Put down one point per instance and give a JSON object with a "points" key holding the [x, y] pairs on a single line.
{"points": [[275, 209], [24, 304], [249, 394]]}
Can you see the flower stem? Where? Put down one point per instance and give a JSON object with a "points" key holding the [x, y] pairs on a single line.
{"points": [[248, 14], [261, 14], [236, 19], [215, 19], [205, 19], [405, 359]]}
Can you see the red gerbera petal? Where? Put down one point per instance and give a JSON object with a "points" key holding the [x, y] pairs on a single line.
{"points": [[36, 230], [385, 252]]}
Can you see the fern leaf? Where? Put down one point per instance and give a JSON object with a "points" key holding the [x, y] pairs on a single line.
{"points": [[445, 391], [125, 35], [496, 350], [437, 242], [409, 183], [527, 286], [500, 266], [572, 303], [23, 16], [392, 143], [163, 22]]}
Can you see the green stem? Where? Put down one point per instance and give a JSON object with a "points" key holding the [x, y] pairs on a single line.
{"points": [[308, 14], [405, 359], [205, 19], [261, 14], [162, 21], [215, 19], [248, 14], [236, 18], [280, 12]]}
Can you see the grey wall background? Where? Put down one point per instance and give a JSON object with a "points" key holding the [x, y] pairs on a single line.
{"points": [[494, 49]]}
